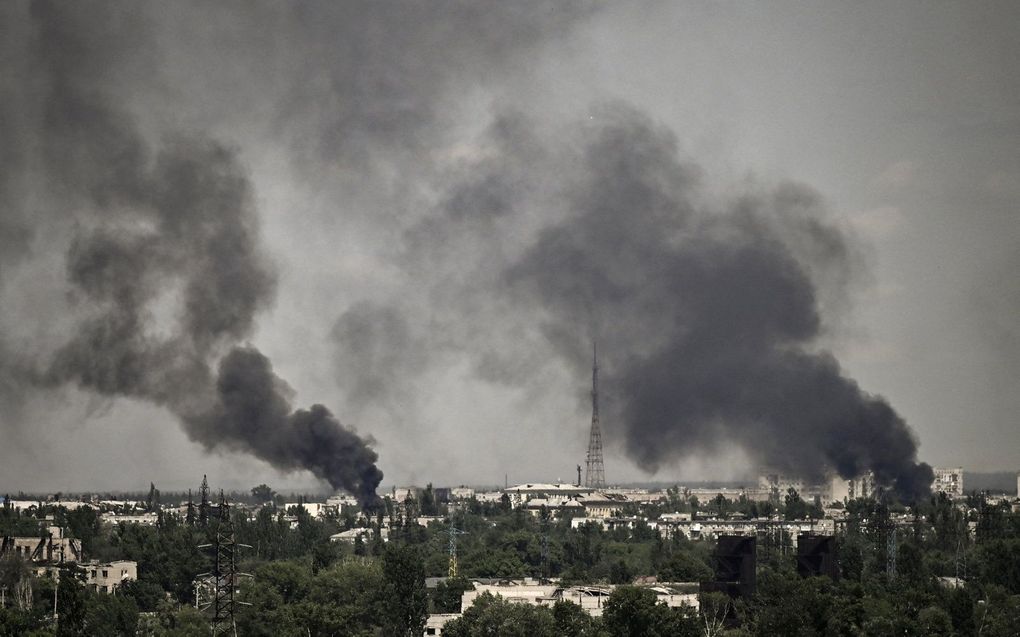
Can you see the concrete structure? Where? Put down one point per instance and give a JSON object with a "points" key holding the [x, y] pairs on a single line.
{"points": [[434, 624], [51, 546], [145, 519], [591, 599], [351, 535], [948, 481], [521, 493], [841, 490], [25, 505], [314, 509], [107, 578], [607, 523], [401, 494], [712, 528]]}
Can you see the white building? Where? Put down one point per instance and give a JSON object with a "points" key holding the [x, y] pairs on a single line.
{"points": [[145, 519], [948, 481], [591, 599], [434, 624], [314, 509], [462, 493], [521, 493], [107, 578], [351, 535]]}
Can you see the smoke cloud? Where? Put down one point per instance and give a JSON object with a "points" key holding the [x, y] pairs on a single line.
{"points": [[709, 315], [470, 234], [709, 312], [165, 265]]}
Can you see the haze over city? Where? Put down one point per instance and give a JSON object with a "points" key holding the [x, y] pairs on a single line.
{"points": [[792, 231]]}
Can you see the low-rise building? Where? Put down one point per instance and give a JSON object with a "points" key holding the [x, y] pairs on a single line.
{"points": [[434, 624], [108, 577], [48, 546], [351, 535], [591, 599], [145, 519]]}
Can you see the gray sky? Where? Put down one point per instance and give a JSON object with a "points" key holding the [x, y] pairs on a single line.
{"points": [[405, 159]]}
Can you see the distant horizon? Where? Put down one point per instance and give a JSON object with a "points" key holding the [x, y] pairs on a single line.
{"points": [[1005, 479]]}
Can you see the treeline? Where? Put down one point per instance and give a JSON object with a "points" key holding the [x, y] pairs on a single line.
{"points": [[957, 572]]}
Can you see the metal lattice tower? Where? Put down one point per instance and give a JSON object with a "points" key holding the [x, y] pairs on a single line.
{"points": [[224, 576], [890, 551], [454, 532], [203, 507], [595, 473]]}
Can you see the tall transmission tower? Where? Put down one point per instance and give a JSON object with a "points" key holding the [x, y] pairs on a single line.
{"points": [[595, 473], [452, 571], [204, 505], [224, 575]]}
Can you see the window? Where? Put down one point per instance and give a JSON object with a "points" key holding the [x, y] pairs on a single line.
{"points": [[106, 573]]}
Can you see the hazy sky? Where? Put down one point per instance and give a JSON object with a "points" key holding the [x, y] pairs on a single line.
{"points": [[414, 171]]}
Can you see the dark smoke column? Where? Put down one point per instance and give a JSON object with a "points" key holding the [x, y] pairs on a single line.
{"points": [[710, 315], [253, 414], [156, 224]]}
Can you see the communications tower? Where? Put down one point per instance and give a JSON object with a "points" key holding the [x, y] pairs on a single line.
{"points": [[595, 474]]}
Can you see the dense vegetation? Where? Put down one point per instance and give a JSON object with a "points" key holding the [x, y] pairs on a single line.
{"points": [[303, 584]]}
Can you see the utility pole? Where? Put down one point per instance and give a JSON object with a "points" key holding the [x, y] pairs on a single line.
{"points": [[595, 475]]}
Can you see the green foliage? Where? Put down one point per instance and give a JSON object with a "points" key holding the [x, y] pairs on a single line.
{"points": [[636, 612], [572, 621], [171, 620], [110, 615], [407, 600], [684, 566], [286, 598], [70, 604], [447, 594], [493, 615], [262, 494]]}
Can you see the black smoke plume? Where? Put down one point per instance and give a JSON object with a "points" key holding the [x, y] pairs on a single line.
{"points": [[165, 262], [709, 315]]}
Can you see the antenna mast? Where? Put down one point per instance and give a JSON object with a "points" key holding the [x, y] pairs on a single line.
{"points": [[595, 476]]}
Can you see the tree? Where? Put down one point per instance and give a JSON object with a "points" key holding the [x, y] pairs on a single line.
{"points": [[152, 501], [447, 594], [493, 615], [572, 621], [636, 612], [70, 604], [262, 494], [429, 506], [110, 615], [407, 599], [684, 567], [713, 610], [795, 508]]}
